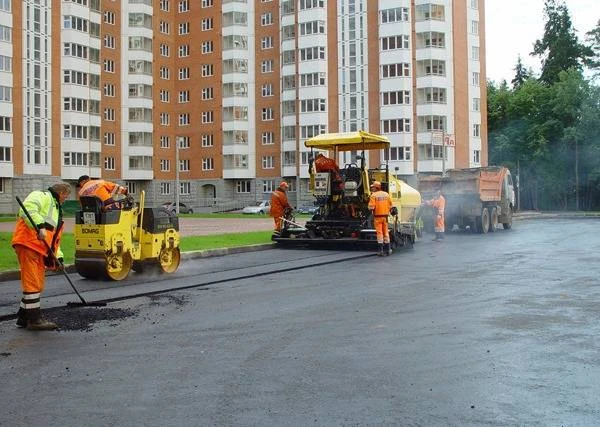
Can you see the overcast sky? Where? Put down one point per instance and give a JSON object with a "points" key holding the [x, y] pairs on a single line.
{"points": [[513, 26]]}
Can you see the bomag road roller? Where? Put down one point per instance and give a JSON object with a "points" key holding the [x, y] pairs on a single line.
{"points": [[342, 197], [110, 244]]}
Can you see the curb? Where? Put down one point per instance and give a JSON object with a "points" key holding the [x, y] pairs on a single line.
{"points": [[206, 253]]}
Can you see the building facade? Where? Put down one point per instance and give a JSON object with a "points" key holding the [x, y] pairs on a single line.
{"points": [[210, 101]]}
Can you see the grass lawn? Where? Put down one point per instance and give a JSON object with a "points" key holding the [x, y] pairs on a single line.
{"points": [[8, 260]]}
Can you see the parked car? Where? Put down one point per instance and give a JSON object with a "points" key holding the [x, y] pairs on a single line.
{"points": [[183, 208], [263, 207], [308, 209]]}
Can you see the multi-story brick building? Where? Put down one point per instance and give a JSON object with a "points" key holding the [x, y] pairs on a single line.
{"points": [[216, 97]]}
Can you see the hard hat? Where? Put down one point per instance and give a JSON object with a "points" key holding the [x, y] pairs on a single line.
{"points": [[283, 184], [376, 184]]}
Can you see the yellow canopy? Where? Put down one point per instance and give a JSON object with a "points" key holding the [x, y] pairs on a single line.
{"points": [[348, 141]]}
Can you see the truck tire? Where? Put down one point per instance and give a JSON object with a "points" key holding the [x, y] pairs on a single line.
{"points": [[483, 225], [493, 220], [507, 225]]}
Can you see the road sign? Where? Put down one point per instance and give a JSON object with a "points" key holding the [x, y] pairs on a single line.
{"points": [[449, 140]]}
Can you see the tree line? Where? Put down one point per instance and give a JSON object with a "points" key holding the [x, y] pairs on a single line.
{"points": [[546, 128]]}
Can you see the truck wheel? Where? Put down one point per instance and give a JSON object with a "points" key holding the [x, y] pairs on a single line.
{"points": [[493, 220], [508, 225], [484, 221]]}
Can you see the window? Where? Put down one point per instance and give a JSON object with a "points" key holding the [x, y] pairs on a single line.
{"points": [[312, 79], [475, 27], [266, 19], [476, 156], [184, 28], [109, 17], [207, 93], [183, 142], [75, 131], [164, 27], [475, 79], [475, 53], [315, 104], [207, 46], [208, 164], [185, 188], [183, 51], [397, 153], [476, 104], [474, 4], [164, 95], [207, 3], [165, 188], [184, 73], [5, 154], [266, 66], [207, 70], [476, 130], [109, 89], [396, 97], [5, 124], [242, 186], [109, 41], [267, 114], [207, 140], [184, 6], [395, 42], [5, 63], [109, 163], [267, 162], [165, 141], [164, 50], [268, 138], [207, 24], [184, 165], [184, 96], [398, 14], [109, 138], [109, 114], [267, 89], [266, 42], [184, 119], [312, 53], [312, 27], [164, 119], [207, 117], [5, 93], [109, 65], [164, 73], [269, 186], [396, 125]]}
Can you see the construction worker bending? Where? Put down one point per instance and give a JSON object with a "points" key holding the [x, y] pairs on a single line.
{"points": [[326, 164], [108, 192], [33, 255], [380, 204], [279, 204], [439, 204]]}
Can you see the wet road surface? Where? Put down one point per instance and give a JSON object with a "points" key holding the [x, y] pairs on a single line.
{"points": [[476, 330]]}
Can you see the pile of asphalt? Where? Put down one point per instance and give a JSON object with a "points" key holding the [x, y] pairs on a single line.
{"points": [[83, 318]]}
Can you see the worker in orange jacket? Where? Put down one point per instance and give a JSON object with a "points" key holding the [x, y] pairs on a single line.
{"points": [[33, 255], [439, 204], [106, 191], [326, 164], [380, 204], [279, 204]]}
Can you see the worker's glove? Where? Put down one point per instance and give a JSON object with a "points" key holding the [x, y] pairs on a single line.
{"points": [[394, 211], [128, 202], [53, 264], [41, 234]]}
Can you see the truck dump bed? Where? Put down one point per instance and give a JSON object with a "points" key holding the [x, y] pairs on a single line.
{"points": [[486, 182]]}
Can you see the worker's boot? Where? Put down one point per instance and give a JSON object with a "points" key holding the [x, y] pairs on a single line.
{"points": [[22, 318], [36, 323], [380, 252], [387, 250]]}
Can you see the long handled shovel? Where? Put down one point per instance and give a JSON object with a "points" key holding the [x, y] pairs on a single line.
{"points": [[62, 267]]}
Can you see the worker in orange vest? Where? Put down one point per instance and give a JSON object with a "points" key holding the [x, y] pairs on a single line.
{"points": [[108, 192], [380, 204], [279, 204], [439, 204], [33, 255], [326, 164]]}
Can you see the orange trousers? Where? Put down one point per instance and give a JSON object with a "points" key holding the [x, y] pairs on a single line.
{"points": [[381, 227], [278, 223], [33, 271]]}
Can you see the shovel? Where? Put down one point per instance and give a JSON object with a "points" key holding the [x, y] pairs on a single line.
{"points": [[83, 302]]}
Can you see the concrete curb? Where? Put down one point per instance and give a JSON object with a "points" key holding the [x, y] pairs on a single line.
{"points": [[207, 253]]}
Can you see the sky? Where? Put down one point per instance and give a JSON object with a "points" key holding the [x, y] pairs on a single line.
{"points": [[513, 26]]}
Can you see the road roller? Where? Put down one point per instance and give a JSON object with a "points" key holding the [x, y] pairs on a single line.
{"points": [[108, 245]]}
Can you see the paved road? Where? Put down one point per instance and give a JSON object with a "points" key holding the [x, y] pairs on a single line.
{"points": [[476, 330]]}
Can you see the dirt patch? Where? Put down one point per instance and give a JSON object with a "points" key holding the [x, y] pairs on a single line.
{"points": [[83, 318]]}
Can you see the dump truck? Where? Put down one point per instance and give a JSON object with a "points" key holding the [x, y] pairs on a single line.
{"points": [[343, 217], [478, 199]]}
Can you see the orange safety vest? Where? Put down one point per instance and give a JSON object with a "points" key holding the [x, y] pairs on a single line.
{"points": [[279, 202], [381, 203], [45, 210], [104, 190]]}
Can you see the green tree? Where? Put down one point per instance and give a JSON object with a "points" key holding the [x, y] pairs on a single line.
{"points": [[593, 38], [521, 74], [559, 48]]}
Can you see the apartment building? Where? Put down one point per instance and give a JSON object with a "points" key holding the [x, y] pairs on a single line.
{"points": [[211, 101]]}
